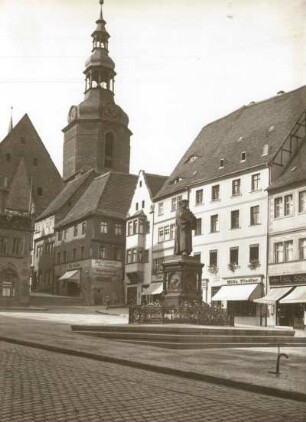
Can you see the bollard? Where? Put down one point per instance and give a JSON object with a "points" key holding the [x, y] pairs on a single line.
{"points": [[280, 355]]}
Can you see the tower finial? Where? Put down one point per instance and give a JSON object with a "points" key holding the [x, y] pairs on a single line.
{"points": [[101, 9], [11, 120]]}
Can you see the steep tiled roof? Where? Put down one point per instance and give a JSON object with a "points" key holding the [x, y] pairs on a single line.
{"points": [[24, 142], [66, 194], [294, 173], [19, 196], [154, 182], [247, 129], [109, 194]]}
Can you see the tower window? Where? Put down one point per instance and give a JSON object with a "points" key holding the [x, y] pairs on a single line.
{"points": [[109, 150]]}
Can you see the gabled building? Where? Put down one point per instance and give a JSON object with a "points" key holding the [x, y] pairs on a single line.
{"points": [[224, 175], [142, 283], [286, 297], [90, 241]]}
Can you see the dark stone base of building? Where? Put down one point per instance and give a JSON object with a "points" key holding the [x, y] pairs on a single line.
{"points": [[182, 280]]}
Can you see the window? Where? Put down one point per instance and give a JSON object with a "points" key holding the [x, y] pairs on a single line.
{"points": [[278, 204], [254, 253], [172, 231], [160, 234], [117, 253], [135, 226], [3, 245], [197, 256], [214, 223], [255, 182], [213, 258], [158, 265], [254, 215], [104, 227], [35, 162], [64, 234], [142, 204], [84, 226], [235, 219], [129, 256], [109, 150], [59, 235], [141, 226], [221, 165], [136, 206], [17, 247], [102, 252], [199, 196], [64, 257], [74, 253], [175, 202], [130, 228], [160, 208], [215, 192], [75, 230], [302, 246], [118, 229], [234, 255], [302, 201], [288, 251], [58, 257], [288, 205], [236, 187], [82, 252], [243, 156], [148, 227], [278, 252], [39, 191], [198, 229], [167, 233]]}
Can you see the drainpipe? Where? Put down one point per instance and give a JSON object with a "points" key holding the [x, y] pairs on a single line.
{"points": [[268, 248]]}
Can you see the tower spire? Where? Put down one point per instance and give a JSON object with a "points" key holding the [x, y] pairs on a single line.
{"points": [[11, 125]]}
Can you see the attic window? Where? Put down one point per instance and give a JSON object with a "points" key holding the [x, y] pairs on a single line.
{"points": [[240, 139], [265, 149], [177, 180], [221, 163], [243, 156], [191, 159]]}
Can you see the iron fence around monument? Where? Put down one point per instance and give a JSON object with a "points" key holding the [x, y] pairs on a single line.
{"points": [[192, 314]]}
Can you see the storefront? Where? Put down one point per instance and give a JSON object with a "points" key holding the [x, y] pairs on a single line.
{"points": [[270, 304], [238, 297], [290, 309], [152, 294]]}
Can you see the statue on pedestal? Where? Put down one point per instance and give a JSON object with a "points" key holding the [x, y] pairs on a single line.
{"points": [[184, 224]]}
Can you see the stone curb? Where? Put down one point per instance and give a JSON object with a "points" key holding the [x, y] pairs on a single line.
{"points": [[213, 379]]}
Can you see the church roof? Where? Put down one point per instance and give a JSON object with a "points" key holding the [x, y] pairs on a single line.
{"points": [[109, 194], [294, 173], [23, 142], [248, 129], [70, 189], [19, 196], [154, 182]]}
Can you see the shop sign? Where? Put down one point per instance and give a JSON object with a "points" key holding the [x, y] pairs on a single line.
{"points": [[289, 279], [105, 263], [245, 280], [74, 265], [106, 270]]}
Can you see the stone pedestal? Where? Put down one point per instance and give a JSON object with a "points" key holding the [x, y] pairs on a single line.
{"points": [[182, 280]]}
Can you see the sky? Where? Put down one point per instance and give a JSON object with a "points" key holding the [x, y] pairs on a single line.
{"points": [[180, 65]]}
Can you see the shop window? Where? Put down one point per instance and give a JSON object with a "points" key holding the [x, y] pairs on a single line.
{"points": [[214, 223], [235, 219], [255, 182], [288, 248], [288, 205], [199, 197], [234, 256], [236, 187], [102, 252], [302, 201], [198, 229], [278, 205], [104, 227], [302, 247], [278, 252], [215, 193], [254, 215]]}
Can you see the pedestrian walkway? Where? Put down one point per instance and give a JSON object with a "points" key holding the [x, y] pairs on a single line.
{"points": [[243, 368]]}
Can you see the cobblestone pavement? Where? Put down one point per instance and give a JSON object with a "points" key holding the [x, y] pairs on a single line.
{"points": [[41, 386]]}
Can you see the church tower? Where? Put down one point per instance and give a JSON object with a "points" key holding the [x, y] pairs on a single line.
{"points": [[97, 135]]}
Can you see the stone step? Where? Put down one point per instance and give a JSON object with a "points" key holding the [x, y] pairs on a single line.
{"points": [[190, 330], [193, 339]]}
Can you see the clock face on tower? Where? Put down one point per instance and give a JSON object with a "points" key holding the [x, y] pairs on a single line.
{"points": [[72, 114]]}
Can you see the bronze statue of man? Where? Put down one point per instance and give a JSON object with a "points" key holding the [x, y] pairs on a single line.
{"points": [[185, 222]]}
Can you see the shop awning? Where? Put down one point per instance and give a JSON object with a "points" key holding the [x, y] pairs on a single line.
{"points": [[153, 289], [238, 292], [73, 275], [273, 296], [298, 295]]}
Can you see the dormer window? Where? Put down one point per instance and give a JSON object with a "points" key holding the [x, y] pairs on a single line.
{"points": [[177, 180], [243, 156], [191, 159], [221, 165], [265, 149]]}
